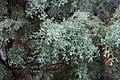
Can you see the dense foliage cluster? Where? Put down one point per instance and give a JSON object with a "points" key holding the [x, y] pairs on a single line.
{"points": [[59, 40]]}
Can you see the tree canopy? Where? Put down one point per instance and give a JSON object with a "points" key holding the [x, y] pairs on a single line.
{"points": [[59, 40]]}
